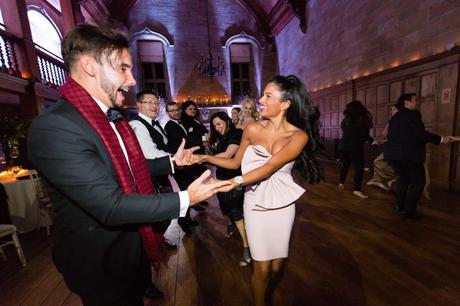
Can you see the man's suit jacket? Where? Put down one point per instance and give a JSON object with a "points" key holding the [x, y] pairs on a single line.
{"points": [[185, 176], [97, 242], [407, 137], [175, 134]]}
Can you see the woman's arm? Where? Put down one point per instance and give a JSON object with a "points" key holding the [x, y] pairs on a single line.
{"points": [[288, 153], [230, 152], [229, 162]]}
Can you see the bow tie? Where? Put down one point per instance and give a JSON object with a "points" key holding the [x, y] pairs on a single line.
{"points": [[114, 114], [155, 122]]}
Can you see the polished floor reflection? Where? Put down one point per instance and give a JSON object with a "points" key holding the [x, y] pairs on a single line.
{"points": [[344, 251]]}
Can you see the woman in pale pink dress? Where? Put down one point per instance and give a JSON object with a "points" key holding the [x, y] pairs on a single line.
{"points": [[268, 151]]}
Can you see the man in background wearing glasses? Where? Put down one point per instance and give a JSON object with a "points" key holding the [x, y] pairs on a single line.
{"points": [[153, 141]]}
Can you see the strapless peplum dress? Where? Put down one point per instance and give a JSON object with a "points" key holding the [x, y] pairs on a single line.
{"points": [[269, 208]]}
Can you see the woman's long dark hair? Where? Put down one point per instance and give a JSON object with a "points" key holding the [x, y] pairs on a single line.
{"points": [[184, 115], [304, 116], [356, 115], [216, 136]]}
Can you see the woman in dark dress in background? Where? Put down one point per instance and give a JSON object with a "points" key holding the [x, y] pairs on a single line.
{"points": [[197, 135], [355, 132], [225, 139], [196, 131]]}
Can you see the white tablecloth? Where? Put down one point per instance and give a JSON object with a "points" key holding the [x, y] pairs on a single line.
{"points": [[23, 203]]}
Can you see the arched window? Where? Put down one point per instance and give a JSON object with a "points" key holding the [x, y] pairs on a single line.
{"points": [[151, 51], [240, 57], [244, 60], [2, 23], [45, 33]]}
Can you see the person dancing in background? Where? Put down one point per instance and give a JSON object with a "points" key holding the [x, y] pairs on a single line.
{"points": [[248, 113], [384, 174], [355, 127], [268, 151], [225, 138]]}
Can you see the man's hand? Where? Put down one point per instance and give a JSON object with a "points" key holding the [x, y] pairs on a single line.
{"points": [[447, 139], [197, 158], [183, 156], [200, 190]]}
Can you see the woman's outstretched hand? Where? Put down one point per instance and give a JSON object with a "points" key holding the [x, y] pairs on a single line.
{"points": [[197, 158]]}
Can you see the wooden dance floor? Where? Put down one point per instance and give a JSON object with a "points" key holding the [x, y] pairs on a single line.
{"points": [[344, 251]]}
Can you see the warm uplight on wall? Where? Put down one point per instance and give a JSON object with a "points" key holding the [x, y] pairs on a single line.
{"points": [[415, 57], [396, 63], [25, 75], [207, 100]]}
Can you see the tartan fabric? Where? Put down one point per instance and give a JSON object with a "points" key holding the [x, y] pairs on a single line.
{"points": [[138, 180]]}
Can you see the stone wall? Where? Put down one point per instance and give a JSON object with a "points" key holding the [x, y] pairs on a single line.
{"points": [[349, 39], [183, 23]]}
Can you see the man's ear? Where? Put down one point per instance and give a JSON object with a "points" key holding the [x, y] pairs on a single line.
{"points": [[88, 65]]}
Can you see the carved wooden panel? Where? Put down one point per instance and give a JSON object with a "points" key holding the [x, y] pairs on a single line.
{"points": [[370, 97], [341, 116], [321, 106], [327, 104], [412, 85], [428, 89], [342, 102], [327, 120], [382, 94], [395, 91], [427, 109], [382, 116], [349, 96], [334, 103], [360, 95], [334, 119]]}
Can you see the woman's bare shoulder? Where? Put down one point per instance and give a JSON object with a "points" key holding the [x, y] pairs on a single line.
{"points": [[298, 132]]}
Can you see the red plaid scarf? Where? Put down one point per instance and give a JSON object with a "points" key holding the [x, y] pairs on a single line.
{"points": [[142, 183]]}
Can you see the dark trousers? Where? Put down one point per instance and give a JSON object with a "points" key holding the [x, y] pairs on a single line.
{"points": [[184, 177], [410, 186], [357, 159]]}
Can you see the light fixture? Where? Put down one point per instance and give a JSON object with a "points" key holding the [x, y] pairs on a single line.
{"points": [[208, 66]]}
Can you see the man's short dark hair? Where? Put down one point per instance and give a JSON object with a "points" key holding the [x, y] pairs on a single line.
{"points": [[144, 92], [98, 41], [171, 103], [404, 97]]}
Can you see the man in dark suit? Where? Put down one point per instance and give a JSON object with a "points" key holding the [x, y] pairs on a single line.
{"points": [[98, 179], [405, 148], [176, 131]]}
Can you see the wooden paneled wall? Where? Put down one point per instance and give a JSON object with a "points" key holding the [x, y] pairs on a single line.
{"points": [[435, 81]]}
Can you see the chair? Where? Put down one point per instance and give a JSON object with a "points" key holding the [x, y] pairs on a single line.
{"points": [[33, 174], [10, 230], [44, 204]]}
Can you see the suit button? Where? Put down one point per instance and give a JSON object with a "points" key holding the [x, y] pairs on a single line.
{"points": [[90, 228]]}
